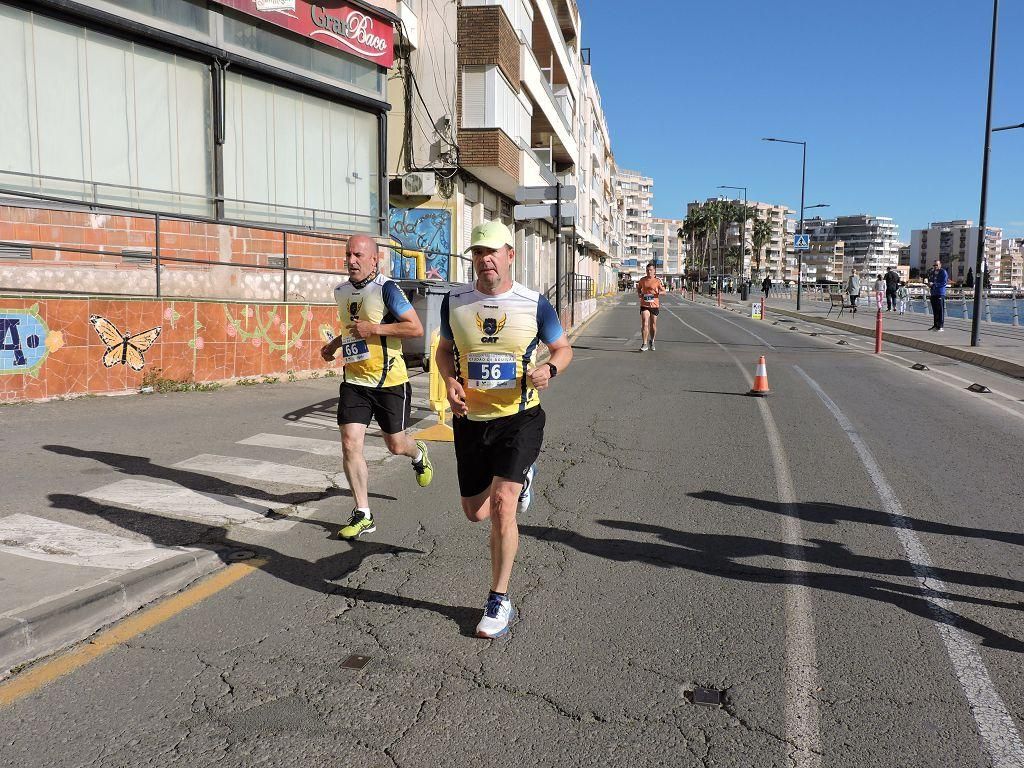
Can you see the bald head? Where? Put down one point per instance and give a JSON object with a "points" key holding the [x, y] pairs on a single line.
{"points": [[361, 257]]}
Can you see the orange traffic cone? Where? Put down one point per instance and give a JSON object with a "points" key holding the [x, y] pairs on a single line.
{"points": [[760, 380]]}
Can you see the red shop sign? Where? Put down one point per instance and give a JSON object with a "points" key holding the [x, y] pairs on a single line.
{"points": [[339, 25]]}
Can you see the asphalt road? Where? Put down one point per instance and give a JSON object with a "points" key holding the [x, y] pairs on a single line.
{"points": [[842, 559]]}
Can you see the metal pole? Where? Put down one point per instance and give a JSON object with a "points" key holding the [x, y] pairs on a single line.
{"points": [[558, 249], [978, 277], [156, 241], [284, 262], [743, 236], [799, 254]]}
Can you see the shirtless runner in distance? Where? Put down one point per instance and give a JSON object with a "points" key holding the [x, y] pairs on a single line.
{"points": [[649, 289]]}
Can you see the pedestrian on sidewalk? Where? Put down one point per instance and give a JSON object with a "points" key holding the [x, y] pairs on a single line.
{"points": [[766, 286], [490, 332], [938, 279], [902, 297], [892, 283], [375, 316], [853, 290], [879, 290]]}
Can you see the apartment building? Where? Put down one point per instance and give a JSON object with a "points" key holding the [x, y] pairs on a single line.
{"points": [[667, 247], [637, 200], [776, 258], [871, 243], [1011, 266], [508, 101], [956, 244]]}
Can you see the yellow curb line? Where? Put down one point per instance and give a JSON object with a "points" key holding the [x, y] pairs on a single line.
{"points": [[47, 672]]}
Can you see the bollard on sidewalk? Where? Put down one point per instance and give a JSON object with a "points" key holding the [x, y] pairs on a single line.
{"points": [[878, 332]]}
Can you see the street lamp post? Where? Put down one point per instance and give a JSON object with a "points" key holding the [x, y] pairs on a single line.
{"points": [[803, 188], [743, 223]]}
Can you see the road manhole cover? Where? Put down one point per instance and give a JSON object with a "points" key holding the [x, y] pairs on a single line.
{"points": [[355, 661], [707, 697]]}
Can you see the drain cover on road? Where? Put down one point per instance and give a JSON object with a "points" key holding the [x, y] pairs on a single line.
{"points": [[842, 341], [355, 662], [981, 389], [240, 554], [707, 697], [920, 367]]}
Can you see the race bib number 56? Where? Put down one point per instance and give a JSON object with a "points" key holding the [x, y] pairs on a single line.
{"points": [[491, 371], [354, 349]]}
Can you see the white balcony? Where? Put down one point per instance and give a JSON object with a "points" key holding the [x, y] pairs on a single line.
{"points": [[541, 94]]}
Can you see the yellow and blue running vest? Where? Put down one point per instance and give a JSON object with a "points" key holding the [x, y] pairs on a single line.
{"points": [[375, 361], [495, 340]]}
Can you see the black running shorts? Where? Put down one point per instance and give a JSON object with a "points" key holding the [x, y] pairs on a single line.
{"points": [[653, 310], [390, 406], [505, 447]]}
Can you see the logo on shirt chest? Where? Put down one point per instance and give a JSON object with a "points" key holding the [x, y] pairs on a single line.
{"points": [[353, 310], [490, 327]]}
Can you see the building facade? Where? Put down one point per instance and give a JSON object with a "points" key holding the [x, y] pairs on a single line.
{"points": [[1011, 262], [667, 249], [200, 115], [637, 193], [871, 243], [955, 243]]}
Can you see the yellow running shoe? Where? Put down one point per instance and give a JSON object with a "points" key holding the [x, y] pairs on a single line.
{"points": [[359, 524], [424, 469]]}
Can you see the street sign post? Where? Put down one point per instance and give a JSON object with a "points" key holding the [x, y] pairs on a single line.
{"points": [[544, 194], [544, 211]]}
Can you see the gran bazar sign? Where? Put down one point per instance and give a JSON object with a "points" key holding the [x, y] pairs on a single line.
{"points": [[338, 25]]}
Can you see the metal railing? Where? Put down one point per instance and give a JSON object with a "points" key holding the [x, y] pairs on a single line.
{"points": [[160, 257]]}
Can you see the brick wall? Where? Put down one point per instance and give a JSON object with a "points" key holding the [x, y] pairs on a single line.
{"points": [[489, 147], [486, 37], [80, 251]]}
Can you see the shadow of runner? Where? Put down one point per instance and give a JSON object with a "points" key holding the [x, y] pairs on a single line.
{"points": [[828, 512], [316, 575], [713, 554]]}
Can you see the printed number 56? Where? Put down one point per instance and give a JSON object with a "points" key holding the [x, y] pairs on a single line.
{"points": [[492, 372]]}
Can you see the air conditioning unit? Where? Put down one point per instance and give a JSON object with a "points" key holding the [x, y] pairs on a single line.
{"points": [[420, 183]]}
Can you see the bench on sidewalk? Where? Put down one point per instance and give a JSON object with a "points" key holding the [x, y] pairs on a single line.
{"points": [[838, 300]]}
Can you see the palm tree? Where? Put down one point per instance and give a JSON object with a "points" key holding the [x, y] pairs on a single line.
{"points": [[761, 237]]}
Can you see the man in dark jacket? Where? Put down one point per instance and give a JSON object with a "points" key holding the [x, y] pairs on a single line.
{"points": [[892, 284], [766, 285], [938, 279]]}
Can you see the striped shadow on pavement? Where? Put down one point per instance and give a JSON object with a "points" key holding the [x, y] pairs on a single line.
{"points": [[207, 508], [266, 471], [310, 445], [42, 539]]}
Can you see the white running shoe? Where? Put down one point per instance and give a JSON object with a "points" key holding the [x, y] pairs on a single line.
{"points": [[498, 616], [526, 495], [652, 345], [643, 348]]}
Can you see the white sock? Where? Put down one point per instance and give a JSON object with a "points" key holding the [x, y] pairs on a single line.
{"points": [[364, 510], [419, 456]]}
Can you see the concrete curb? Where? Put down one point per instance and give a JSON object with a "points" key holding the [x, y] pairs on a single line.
{"points": [[44, 629], [1005, 367]]}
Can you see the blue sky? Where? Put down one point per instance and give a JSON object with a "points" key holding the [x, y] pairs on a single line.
{"points": [[889, 95]]}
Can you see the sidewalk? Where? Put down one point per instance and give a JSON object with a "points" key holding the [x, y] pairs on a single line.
{"points": [[1001, 349]]}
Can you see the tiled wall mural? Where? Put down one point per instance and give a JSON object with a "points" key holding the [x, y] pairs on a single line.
{"points": [[53, 347]]}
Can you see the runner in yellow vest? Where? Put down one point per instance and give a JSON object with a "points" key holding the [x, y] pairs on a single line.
{"points": [[490, 332], [375, 316]]}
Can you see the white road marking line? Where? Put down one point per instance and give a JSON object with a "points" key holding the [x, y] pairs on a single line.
{"points": [[330, 448], [745, 330], [42, 539], [802, 719], [999, 734], [206, 508], [266, 471]]}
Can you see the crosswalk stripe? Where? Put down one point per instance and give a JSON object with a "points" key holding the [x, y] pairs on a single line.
{"points": [[310, 445], [42, 539], [205, 508], [266, 471]]}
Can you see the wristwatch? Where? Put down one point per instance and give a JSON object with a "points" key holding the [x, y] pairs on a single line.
{"points": [[554, 370]]}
